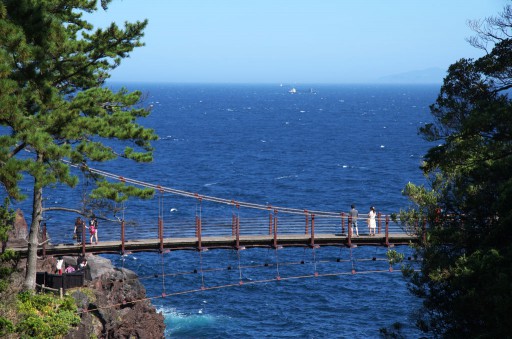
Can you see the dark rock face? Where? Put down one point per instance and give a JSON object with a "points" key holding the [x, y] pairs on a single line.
{"points": [[20, 226], [17, 236], [117, 307]]}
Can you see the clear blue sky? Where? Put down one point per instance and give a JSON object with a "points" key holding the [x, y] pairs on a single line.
{"points": [[284, 41]]}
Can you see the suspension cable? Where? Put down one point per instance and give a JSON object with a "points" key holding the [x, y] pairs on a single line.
{"points": [[195, 195]]}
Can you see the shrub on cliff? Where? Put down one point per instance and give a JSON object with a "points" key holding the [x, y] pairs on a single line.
{"points": [[45, 316], [6, 256]]}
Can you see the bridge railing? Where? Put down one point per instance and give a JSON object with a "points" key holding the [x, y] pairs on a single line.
{"points": [[226, 226], [212, 217]]}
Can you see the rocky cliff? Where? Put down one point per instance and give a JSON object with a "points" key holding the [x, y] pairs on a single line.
{"points": [[113, 304]]}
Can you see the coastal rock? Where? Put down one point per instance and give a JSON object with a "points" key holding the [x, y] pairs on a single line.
{"points": [[117, 306], [17, 236], [20, 226], [113, 302]]}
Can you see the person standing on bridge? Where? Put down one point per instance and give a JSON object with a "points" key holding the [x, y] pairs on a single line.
{"points": [[79, 228], [371, 221], [93, 227], [354, 214]]}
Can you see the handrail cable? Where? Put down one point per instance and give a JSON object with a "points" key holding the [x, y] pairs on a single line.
{"points": [[281, 209]]}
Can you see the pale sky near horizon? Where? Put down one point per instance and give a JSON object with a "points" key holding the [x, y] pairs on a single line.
{"points": [[284, 41]]}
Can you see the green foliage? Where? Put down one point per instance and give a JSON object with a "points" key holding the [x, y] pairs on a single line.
{"points": [[54, 106], [8, 257], [45, 316], [466, 271], [52, 98], [6, 326], [119, 192], [394, 257], [6, 220]]}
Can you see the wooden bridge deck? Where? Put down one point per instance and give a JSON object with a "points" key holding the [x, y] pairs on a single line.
{"points": [[211, 242]]}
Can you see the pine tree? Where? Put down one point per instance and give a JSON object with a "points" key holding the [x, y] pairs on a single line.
{"points": [[54, 105], [466, 271]]}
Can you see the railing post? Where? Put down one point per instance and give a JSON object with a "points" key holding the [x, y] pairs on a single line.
{"points": [[161, 233], [237, 234], [387, 230], [161, 219], [342, 223], [44, 240], [307, 228], [197, 226], [349, 231], [122, 237], [269, 222], [233, 224], [237, 227], [312, 243], [199, 247], [198, 223], [379, 215], [275, 228]]}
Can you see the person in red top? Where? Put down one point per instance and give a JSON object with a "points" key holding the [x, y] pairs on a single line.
{"points": [[93, 229]]}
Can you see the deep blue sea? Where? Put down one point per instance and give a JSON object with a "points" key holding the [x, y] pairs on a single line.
{"points": [[324, 147]]}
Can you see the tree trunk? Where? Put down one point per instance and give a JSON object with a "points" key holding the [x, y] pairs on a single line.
{"points": [[33, 238]]}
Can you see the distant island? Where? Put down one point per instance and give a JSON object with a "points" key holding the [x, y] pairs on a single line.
{"points": [[425, 76]]}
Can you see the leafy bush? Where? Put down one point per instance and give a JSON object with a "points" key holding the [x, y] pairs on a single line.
{"points": [[8, 257], [45, 316], [394, 257], [6, 326]]}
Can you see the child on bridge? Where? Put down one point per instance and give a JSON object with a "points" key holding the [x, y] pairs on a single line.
{"points": [[93, 230]]}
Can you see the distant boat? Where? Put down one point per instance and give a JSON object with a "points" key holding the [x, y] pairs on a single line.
{"points": [[293, 91]]}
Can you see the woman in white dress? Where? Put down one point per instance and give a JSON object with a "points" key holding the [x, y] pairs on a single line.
{"points": [[371, 221]]}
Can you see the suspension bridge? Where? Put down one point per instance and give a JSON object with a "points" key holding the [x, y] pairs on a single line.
{"points": [[238, 225]]}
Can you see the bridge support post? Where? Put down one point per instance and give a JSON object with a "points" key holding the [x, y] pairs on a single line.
{"points": [[387, 230], [238, 247], [237, 225], [270, 222], [275, 229], [379, 216], [349, 231], [343, 223], [306, 231], [161, 234], [198, 233], [349, 225], [233, 224], [197, 226], [312, 243], [237, 229]]}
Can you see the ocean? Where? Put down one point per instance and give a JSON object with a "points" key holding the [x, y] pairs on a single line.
{"points": [[323, 147]]}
